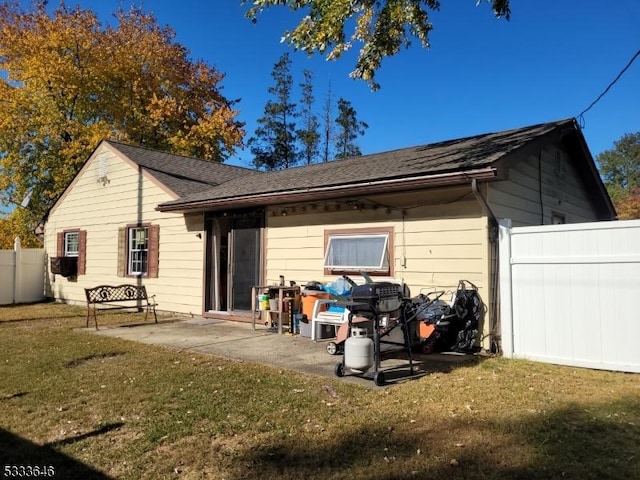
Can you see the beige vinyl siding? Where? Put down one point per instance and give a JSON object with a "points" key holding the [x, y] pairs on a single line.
{"points": [[444, 244], [101, 208], [518, 198], [442, 238], [435, 246]]}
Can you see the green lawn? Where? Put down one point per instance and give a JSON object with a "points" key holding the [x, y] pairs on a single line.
{"points": [[99, 407]]}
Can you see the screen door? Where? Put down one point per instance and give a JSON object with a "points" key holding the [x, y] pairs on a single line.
{"points": [[244, 265]]}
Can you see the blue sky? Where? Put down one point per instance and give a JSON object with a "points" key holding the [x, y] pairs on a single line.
{"points": [[481, 74]]}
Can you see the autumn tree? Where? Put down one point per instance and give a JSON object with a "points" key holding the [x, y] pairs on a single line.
{"points": [[628, 207], [18, 223], [309, 134], [67, 81], [349, 129], [381, 27], [274, 142], [620, 170]]}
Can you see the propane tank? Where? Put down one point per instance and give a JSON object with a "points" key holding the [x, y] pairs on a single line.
{"points": [[358, 350]]}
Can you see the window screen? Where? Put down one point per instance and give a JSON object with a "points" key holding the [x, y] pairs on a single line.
{"points": [[71, 244], [138, 250], [357, 252]]}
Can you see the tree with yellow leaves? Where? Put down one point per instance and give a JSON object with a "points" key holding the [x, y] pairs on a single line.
{"points": [[18, 223], [628, 207], [67, 81], [380, 27]]}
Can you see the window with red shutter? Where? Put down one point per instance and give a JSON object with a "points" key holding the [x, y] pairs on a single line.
{"points": [[73, 243], [138, 251]]}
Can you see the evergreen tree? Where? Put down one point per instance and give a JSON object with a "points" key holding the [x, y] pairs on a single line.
{"points": [[349, 129], [274, 142], [308, 135], [327, 132]]}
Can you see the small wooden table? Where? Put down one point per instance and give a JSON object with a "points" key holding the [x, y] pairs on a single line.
{"points": [[282, 291]]}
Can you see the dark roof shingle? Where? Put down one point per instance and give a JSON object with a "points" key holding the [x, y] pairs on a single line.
{"points": [[183, 175], [449, 156]]}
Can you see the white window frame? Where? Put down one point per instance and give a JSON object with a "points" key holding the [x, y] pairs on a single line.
{"points": [[70, 242], [137, 254], [558, 218], [382, 265]]}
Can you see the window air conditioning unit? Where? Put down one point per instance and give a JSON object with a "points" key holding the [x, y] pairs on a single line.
{"points": [[65, 266]]}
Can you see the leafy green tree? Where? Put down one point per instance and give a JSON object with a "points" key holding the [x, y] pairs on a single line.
{"points": [[308, 135], [381, 27], [67, 81], [349, 129], [274, 142], [620, 170]]}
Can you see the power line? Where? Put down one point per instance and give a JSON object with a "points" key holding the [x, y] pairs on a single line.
{"points": [[580, 115]]}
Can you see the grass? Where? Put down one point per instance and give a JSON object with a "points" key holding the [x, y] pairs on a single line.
{"points": [[99, 407]]}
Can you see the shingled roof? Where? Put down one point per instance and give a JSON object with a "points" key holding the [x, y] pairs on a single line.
{"points": [[182, 175], [444, 163]]}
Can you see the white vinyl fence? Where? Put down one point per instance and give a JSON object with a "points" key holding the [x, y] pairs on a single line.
{"points": [[570, 294], [22, 275]]}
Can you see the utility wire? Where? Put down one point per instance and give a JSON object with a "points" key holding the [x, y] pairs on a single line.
{"points": [[581, 114]]}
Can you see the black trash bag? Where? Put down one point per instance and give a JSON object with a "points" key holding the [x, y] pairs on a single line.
{"points": [[433, 311], [439, 314], [469, 309]]}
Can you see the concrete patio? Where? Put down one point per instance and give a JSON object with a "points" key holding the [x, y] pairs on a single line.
{"points": [[239, 341]]}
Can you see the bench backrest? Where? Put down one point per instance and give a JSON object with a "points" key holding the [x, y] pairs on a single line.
{"points": [[119, 293]]}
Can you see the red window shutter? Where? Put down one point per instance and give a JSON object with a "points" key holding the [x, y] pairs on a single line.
{"points": [[82, 252], [60, 245], [154, 251], [122, 252]]}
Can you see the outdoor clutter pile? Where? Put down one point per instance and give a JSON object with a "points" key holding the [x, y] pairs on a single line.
{"points": [[378, 318], [434, 325], [450, 326], [378, 309]]}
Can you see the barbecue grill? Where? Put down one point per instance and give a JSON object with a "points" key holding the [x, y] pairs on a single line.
{"points": [[381, 297], [383, 304]]}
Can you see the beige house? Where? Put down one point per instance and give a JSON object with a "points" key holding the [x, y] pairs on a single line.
{"points": [[107, 218], [425, 215]]}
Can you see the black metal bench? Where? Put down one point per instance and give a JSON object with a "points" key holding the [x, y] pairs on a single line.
{"points": [[109, 294]]}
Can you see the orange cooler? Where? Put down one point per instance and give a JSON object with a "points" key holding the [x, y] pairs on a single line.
{"points": [[309, 298]]}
